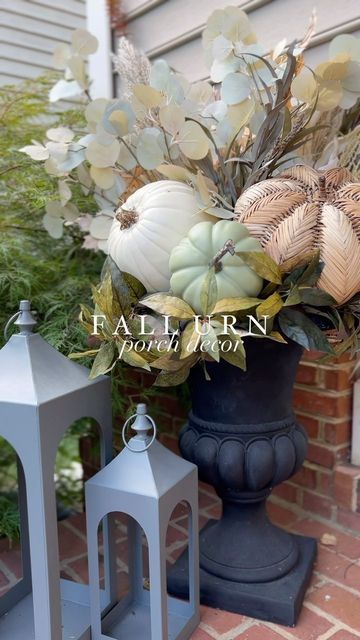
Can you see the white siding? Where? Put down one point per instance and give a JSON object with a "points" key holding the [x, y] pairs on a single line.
{"points": [[172, 28], [29, 32]]}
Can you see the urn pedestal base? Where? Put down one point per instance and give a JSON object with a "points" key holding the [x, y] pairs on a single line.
{"points": [[277, 601]]}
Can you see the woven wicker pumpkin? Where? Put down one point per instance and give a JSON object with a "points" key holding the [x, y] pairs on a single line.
{"points": [[303, 210]]}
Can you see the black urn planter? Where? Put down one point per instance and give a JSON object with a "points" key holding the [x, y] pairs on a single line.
{"points": [[244, 438]]}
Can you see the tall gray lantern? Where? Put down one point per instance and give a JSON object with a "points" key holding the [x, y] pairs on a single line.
{"points": [[145, 481], [41, 394]]}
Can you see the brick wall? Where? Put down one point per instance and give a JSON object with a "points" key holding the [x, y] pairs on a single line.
{"points": [[327, 485]]}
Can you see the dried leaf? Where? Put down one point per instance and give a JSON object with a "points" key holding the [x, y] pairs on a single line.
{"points": [[228, 305], [169, 305], [189, 340], [208, 293], [270, 307], [103, 360], [262, 264], [301, 329]]}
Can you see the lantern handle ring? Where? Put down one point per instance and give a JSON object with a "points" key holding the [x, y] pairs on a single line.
{"points": [[9, 323], [123, 433]]}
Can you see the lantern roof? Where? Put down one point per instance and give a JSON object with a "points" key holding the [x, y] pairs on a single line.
{"points": [[32, 371], [144, 467]]}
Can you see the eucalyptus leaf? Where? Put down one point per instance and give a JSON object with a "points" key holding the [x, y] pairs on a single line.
{"points": [[53, 225], [148, 150], [193, 141], [83, 42], [148, 96], [235, 88], [103, 177], [174, 172], [172, 118], [102, 156], [64, 89]]}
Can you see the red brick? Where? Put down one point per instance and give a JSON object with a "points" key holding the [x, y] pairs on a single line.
{"points": [[306, 374], [321, 454], [311, 356], [325, 482], [310, 625], [349, 520], [170, 442], [214, 511], [310, 424], [175, 535], [346, 544], [306, 477], [12, 560], [317, 504], [258, 632], [337, 433], [3, 580], [338, 602], [346, 483], [342, 634], [338, 379], [286, 491], [206, 500], [220, 621], [71, 545], [329, 403], [331, 564], [200, 634], [280, 515], [80, 567]]}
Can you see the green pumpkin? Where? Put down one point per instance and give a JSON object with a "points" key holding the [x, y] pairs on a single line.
{"points": [[189, 262]]}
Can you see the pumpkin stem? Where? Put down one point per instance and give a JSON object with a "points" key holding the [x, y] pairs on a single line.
{"points": [[126, 218], [229, 247]]}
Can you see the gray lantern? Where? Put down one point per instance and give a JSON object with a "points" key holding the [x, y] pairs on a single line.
{"points": [[41, 394], [145, 481]]}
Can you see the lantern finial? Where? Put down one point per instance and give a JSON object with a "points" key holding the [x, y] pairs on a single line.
{"points": [[142, 424], [23, 318], [25, 321]]}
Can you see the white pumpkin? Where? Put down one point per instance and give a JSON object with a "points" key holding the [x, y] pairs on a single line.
{"points": [[148, 226]]}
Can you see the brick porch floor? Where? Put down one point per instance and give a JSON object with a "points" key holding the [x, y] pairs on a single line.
{"points": [[332, 603]]}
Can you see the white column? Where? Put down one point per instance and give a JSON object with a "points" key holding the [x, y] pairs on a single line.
{"points": [[100, 72], [355, 445]]}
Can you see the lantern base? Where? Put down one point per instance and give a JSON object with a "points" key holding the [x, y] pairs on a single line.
{"points": [[134, 620], [18, 623], [277, 601]]}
